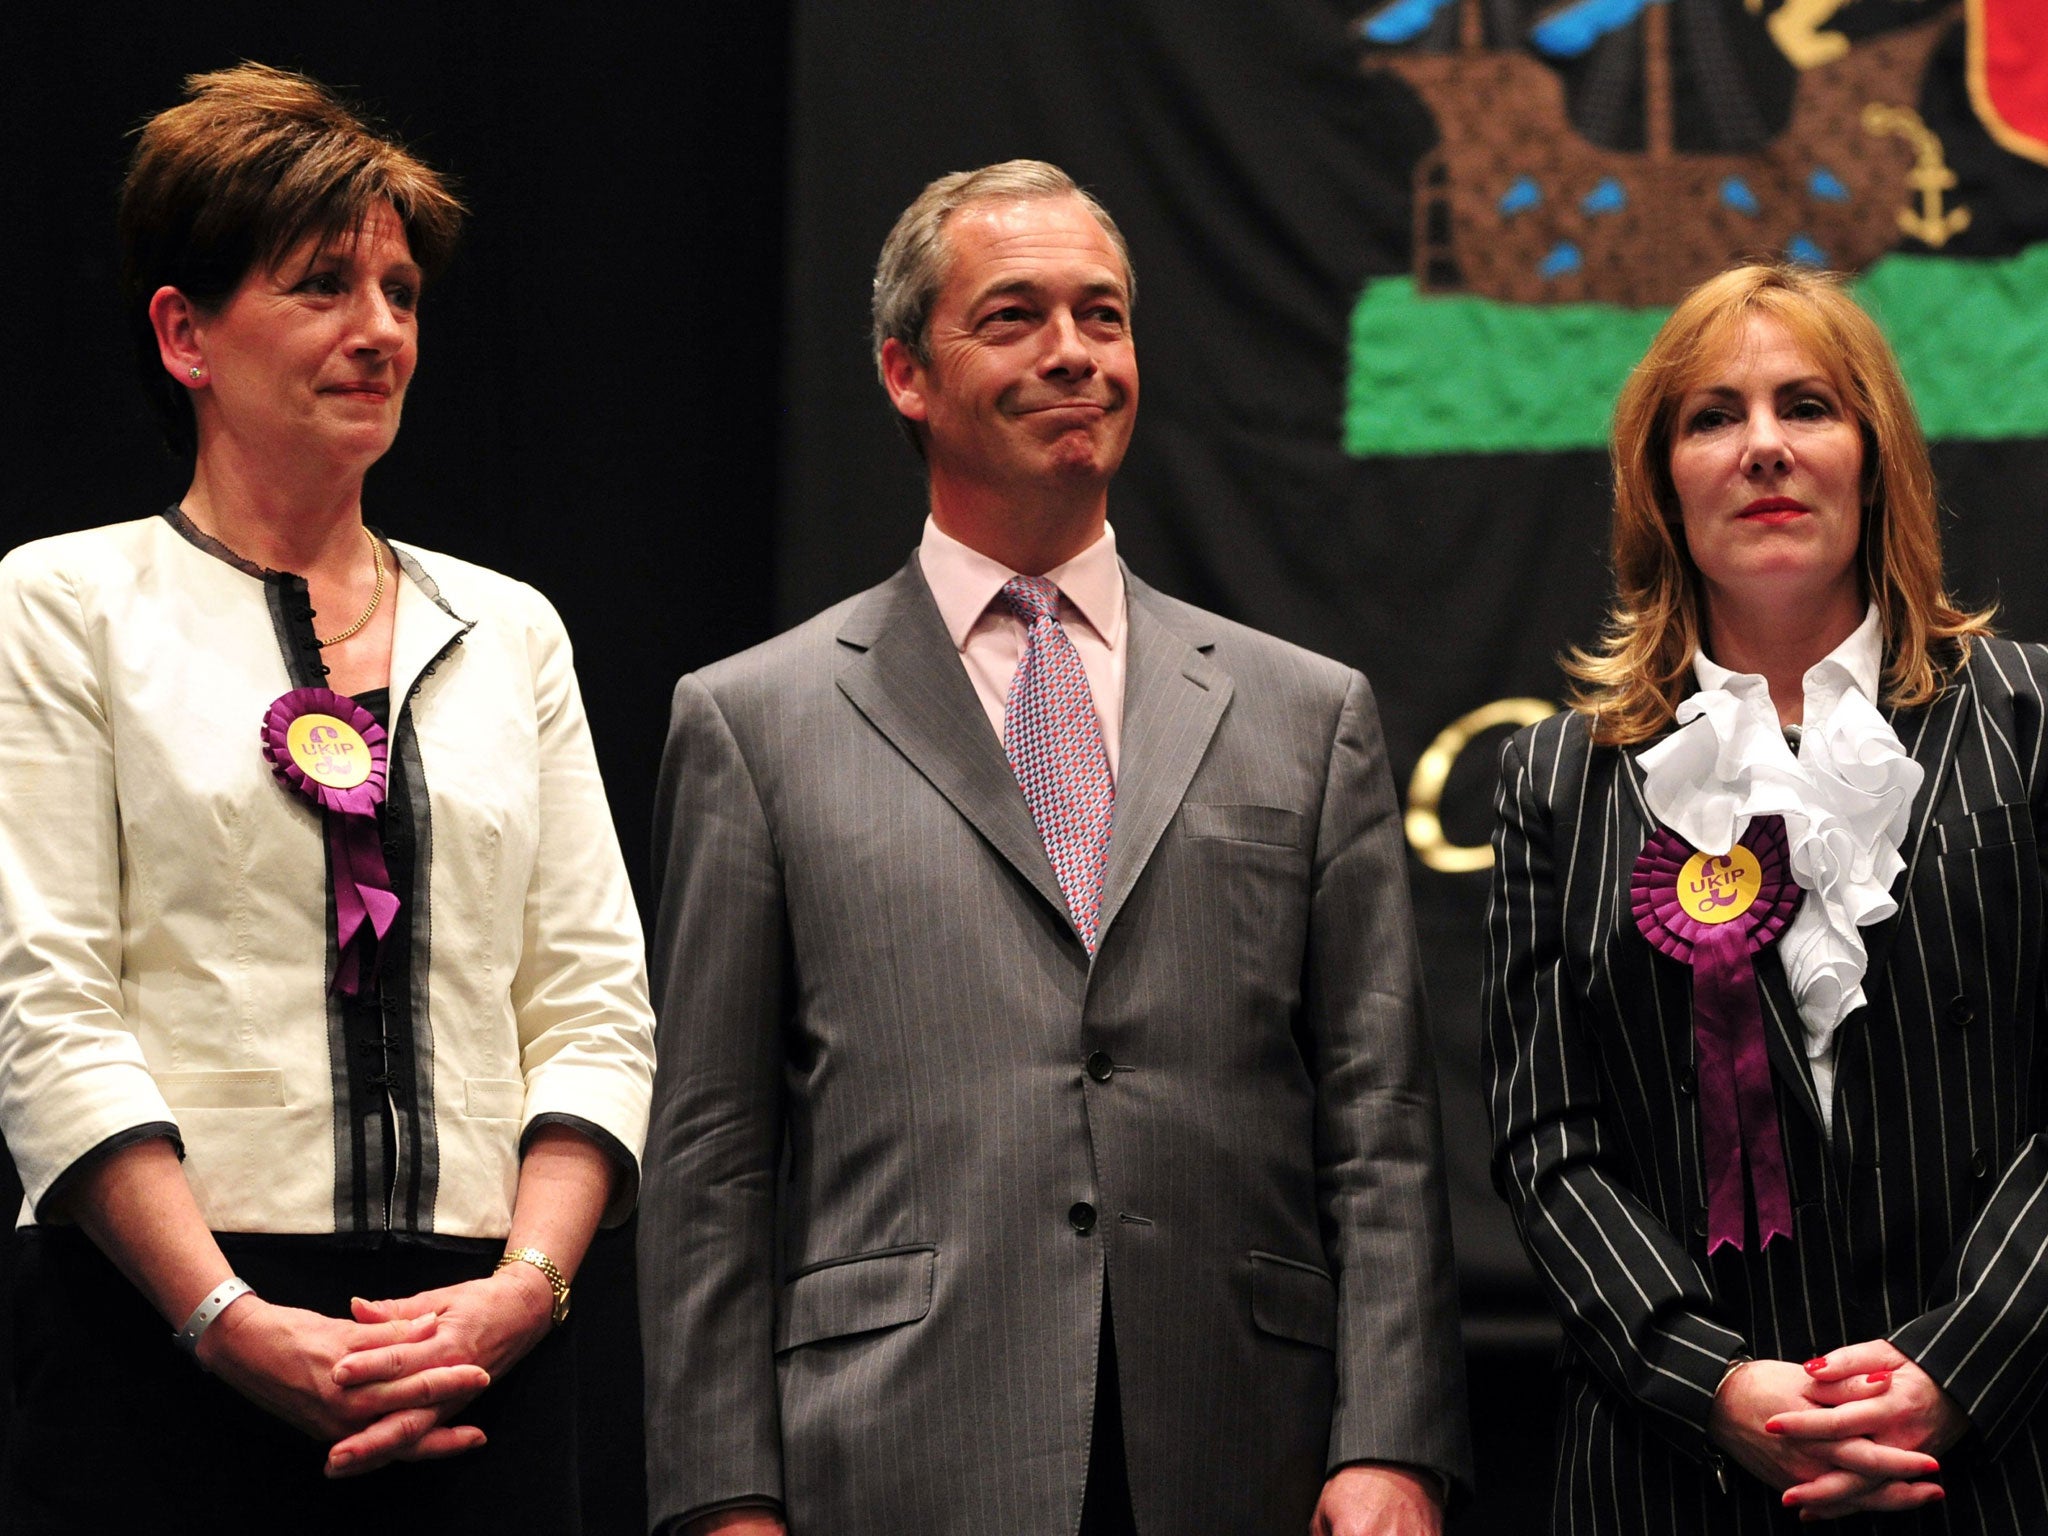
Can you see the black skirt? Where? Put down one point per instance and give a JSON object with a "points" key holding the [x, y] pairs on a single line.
{"points": [[117, 1430]]}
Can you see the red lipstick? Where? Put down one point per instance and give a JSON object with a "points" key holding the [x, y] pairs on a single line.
{"points": [[1774, 510]]}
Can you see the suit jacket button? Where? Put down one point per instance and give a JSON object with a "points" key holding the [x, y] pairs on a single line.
{"points": [[1081, 1217], [1979, 1164], [1960, 1013], [1100, 1067], [1688, 1084], [1699, 1223]]}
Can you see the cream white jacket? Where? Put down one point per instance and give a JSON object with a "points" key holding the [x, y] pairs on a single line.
{"points": [[165, 944]]}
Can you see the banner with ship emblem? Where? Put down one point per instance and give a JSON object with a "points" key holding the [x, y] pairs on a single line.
{"points": [[1597, 160], [1395, 258]]}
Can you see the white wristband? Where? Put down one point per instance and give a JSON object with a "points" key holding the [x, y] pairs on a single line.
{"points": [[217, 1301]]}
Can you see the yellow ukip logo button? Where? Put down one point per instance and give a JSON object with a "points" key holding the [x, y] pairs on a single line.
{"points": [[330, 752], [1717, 888]]}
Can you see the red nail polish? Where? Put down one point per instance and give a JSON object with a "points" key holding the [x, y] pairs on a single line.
{"points": [[1818, 1363], [1878, 1378], [1771, 1427]]}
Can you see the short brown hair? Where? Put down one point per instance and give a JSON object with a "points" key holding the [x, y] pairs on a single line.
{"points": [[1631, 683], [253, 161]]}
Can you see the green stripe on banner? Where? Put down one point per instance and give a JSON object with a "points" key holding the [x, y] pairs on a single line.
{"points": [[1455, 374]]}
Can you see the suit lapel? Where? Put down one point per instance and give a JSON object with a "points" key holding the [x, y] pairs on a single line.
{"points": [[1174, 695], [1785, 1034], [906, 679], [1930, 736]]}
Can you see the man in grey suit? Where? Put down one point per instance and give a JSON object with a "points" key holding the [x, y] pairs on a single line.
{"points": [[1045, 1134]]}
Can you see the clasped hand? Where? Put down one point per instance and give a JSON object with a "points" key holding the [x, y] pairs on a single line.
{"points": [[383, 1387], [1858, 1430]]}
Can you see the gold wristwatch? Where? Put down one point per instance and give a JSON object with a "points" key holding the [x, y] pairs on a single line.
{"points": [[548, 1267]]}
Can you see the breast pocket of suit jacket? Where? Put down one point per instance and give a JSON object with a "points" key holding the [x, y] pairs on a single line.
{"points": [[1237, 885], [1976, 909]]}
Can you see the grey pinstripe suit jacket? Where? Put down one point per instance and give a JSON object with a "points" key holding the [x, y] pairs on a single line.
{"points": [[863, 1289], [1923, 1218]]}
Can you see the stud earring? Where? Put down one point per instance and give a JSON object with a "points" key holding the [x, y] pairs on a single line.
{"points": [[197, 372]]}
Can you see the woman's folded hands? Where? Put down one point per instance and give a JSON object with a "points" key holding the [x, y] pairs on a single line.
{"points": [[1858, 1430], [418, 1344], [290, 1361]]}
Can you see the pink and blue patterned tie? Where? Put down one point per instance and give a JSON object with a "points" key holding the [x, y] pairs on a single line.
{"points": [[1054, 743]]}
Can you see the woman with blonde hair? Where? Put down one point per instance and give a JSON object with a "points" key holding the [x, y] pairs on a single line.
{"points": [[324, 1040], [1765, 1006]]}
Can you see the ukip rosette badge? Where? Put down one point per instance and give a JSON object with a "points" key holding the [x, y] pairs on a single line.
{"points": [[1717, 888], [327, 748], [1715, 912], [329, 751]]}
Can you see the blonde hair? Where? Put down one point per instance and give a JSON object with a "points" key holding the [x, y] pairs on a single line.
{"points": [[1630, 684]]}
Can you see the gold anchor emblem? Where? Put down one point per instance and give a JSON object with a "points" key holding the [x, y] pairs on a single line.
{"points": [[1930, 176]]}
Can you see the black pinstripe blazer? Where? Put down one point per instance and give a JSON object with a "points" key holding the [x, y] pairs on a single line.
{"points": [[1922, 1218]]}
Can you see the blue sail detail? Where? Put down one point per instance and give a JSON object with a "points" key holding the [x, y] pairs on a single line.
{"points": [[1400, 21], [1800, 248], [1827, 186], [1523, 195], [1564, 258], [1736, 194], [1608, 197], [1577, 25]]}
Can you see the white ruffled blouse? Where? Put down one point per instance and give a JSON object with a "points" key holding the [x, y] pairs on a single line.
{"points": [[1846, 795]]}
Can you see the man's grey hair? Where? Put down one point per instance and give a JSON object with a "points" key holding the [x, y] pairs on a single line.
{"points": [[915, 257]]}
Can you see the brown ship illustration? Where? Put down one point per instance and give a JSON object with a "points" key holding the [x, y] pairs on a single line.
{"points": [[1515, 204]]}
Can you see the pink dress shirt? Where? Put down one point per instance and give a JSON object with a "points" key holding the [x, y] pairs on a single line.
{"points": [[990, 639]]}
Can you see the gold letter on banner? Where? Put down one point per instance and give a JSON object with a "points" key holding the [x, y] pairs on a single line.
{"points": [[1796, 28], [1433, 769]]}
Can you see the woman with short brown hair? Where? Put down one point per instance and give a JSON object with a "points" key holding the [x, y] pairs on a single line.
{"points": [[1765, 1004], [324, 1041]]}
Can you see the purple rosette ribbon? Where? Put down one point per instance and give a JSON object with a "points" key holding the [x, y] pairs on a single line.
{"points": [[327, 748], [1714, 912]]}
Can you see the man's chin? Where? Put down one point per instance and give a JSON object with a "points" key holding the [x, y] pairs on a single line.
{"points": [[1084, 454], [1077, 469]]}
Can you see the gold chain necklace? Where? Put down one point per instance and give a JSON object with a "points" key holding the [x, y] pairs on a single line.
{"points": [[376, 595]]}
